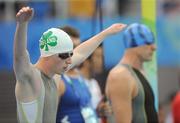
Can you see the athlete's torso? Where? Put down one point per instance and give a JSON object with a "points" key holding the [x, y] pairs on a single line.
{"points": [[143, 109], [75, 96], [149, 101], [44, 108]]}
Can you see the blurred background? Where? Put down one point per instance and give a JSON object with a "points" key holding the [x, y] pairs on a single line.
{"points": [[90, 17]]}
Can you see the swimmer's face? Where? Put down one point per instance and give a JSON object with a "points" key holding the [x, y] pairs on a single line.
{"points": [[60, 62], [146, 52], [97, 60]]}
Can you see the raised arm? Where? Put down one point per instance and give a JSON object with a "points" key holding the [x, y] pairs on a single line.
{"points": [[119, 92], [86, 48], [21, 62]]}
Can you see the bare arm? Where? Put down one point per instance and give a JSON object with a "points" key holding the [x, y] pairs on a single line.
{"points": [[21, 62], [119, 91], [86, 48]]}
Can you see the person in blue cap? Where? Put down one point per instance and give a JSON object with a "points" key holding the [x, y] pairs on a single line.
{"points": [[127, 89]]}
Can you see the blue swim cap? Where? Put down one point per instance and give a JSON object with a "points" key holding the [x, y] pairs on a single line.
{"points": [[137, 35]]}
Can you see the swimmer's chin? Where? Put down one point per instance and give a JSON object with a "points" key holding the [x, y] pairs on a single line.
{"points": [[63, 71]]}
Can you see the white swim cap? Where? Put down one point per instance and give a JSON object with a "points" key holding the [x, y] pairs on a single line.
{"points": [[55, 41]]}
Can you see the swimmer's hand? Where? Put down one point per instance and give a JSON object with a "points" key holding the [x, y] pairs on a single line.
{"points": [[114, 28], [24, 15]]}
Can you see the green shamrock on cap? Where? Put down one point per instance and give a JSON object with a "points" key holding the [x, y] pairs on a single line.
{"points": [[48, 40]]}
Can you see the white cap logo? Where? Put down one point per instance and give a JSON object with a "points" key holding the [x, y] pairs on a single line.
{"points": [[55, 41]]}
